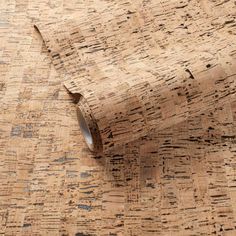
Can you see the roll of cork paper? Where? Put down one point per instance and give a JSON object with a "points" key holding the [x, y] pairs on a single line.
{"points": [[133, 72]]}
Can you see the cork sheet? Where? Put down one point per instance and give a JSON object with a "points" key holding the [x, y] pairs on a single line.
{"points": [[128, 84], [178, 180]]}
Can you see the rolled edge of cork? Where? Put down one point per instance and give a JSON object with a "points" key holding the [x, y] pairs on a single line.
{"points": [[88, 126]]}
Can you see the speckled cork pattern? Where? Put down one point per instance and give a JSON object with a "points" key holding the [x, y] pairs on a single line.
{"points": [[133, 85], [176, 181]]}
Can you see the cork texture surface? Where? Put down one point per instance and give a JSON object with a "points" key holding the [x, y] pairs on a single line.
{"points": [[134, 85], [177, 181]]}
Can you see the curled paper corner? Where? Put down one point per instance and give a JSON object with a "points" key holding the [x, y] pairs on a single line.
{"points": [[40, 31], [76, 96], [36, 28]]}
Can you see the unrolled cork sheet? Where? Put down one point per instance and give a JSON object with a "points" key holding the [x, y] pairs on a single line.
{"points": [[128, 81]]}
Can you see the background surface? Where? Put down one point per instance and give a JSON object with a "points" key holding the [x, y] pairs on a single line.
{"points": [[184, 183]]}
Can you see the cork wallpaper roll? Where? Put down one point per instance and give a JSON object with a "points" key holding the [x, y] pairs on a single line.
{"points": [[126, 83], [180, 180]]}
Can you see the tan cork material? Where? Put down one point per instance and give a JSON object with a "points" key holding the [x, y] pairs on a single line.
{"points": [[175, 181], [133, 84]]}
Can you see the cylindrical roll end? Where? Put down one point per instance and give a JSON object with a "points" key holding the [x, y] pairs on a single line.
{"points": [[88, 126], [85, 130]]}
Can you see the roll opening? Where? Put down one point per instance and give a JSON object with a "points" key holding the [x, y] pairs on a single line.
{"points": [[88, 126], [84, 127]]}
